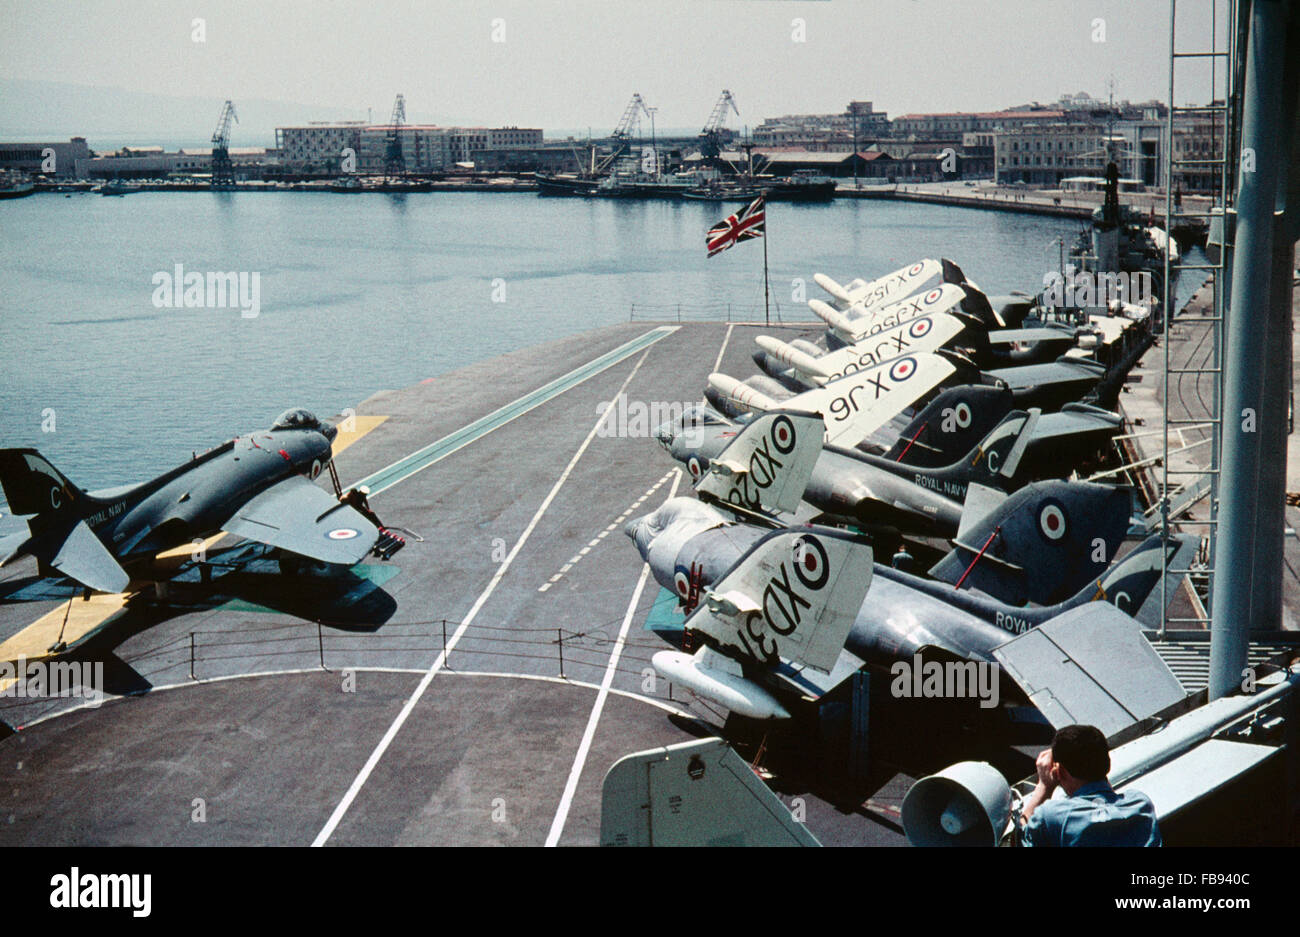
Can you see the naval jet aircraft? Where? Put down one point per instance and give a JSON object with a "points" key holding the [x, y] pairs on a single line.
{"points": [[936, 452], [859, 310], [787, 599], [767, 470], [857, 404], [1049, 386], [259, 486], [1039, 545], [940, 433]]}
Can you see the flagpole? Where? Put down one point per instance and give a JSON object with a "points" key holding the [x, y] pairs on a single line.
{"points": [[767, 314]]}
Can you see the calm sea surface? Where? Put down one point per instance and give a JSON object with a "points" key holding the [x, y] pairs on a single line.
{"points": [[365, 292]]}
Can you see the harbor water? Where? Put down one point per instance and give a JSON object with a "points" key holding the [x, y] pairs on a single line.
{"points": [[358, 293]]}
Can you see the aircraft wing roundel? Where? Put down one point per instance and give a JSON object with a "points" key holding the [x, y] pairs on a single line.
{"points": [[855, 406], [297, 516], [794, 597]]}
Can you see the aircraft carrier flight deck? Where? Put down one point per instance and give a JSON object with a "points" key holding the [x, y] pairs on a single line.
{"points": [[333, 713], [475, 687]]}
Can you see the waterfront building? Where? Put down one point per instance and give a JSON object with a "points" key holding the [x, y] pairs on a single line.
{"points": [[32, 157], [317, 147], [859, 123]]}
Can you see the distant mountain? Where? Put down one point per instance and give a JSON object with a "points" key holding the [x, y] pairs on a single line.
{"points": [[112, 117]]}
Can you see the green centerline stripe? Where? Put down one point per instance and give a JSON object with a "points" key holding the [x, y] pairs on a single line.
{"points": [[421, 459]]}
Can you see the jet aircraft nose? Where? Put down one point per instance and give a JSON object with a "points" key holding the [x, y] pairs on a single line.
{"points": [[666, 433]]}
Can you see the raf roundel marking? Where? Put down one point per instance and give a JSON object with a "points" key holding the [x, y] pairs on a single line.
{"points": [[933, 296], [342, 533], [693, 465], [915, 269], [783, 434], [682, 582], [963, 414], [902, 369], [920, 328], [1051, 521], [812, 566], [315, 468]]}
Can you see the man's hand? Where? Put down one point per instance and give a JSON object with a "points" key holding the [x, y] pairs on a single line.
{"points": [[1047, 776], [1047, 782]]}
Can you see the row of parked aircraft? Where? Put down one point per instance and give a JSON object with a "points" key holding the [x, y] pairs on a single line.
{"points": [[901, 486]]}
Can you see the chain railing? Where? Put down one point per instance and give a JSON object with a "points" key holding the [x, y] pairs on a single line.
{"points": [[269, 648]]}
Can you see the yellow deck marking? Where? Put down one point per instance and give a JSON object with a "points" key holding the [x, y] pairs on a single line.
{"points": [[361, 426], [88, 616]]}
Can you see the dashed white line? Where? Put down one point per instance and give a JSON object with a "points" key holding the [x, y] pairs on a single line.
{"points": [[339, 811], [573, 561], [580, 760]]}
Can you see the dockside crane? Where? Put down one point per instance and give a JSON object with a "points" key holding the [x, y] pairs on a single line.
{"points": [[623, 134], [711, 135], [223, 171], [394, 160]]}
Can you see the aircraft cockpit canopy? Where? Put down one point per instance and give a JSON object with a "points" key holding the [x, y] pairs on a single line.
{"points": [[297, 418], [702, 416]]}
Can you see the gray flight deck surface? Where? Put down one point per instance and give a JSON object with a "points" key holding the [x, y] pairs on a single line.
{"points": [[522, 526]]}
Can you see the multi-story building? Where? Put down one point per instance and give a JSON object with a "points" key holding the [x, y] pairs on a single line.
{"points": [[424, 148], [318, 147], [859, 123], [509, 137], [1044, 155], [58, 159], [1198, 137], [950, 127]]}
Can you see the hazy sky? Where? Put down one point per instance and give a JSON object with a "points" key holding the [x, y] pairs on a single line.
{"points": [[574, 63]]}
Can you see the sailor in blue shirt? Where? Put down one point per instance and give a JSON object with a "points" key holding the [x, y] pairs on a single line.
{"points": [[1091, 814]]}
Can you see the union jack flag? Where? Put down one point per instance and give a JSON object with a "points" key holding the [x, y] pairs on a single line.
{"points": [[748, 224]]}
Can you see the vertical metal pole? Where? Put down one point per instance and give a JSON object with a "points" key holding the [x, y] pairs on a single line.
{"points": [[1244, 399], [1166, 315], [192, 677], [767, 314], [560, 642], [1223, 276], [320, 644], [446, 658], [1270, 530]]}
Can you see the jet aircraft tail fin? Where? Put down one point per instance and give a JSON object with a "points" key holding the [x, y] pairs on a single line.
{"points": [[951, 424], [1042, 544], [1133, 584], [975, 303], [33, 486], [793, 597], [994, 462], [61, 541], [768, 464]]}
